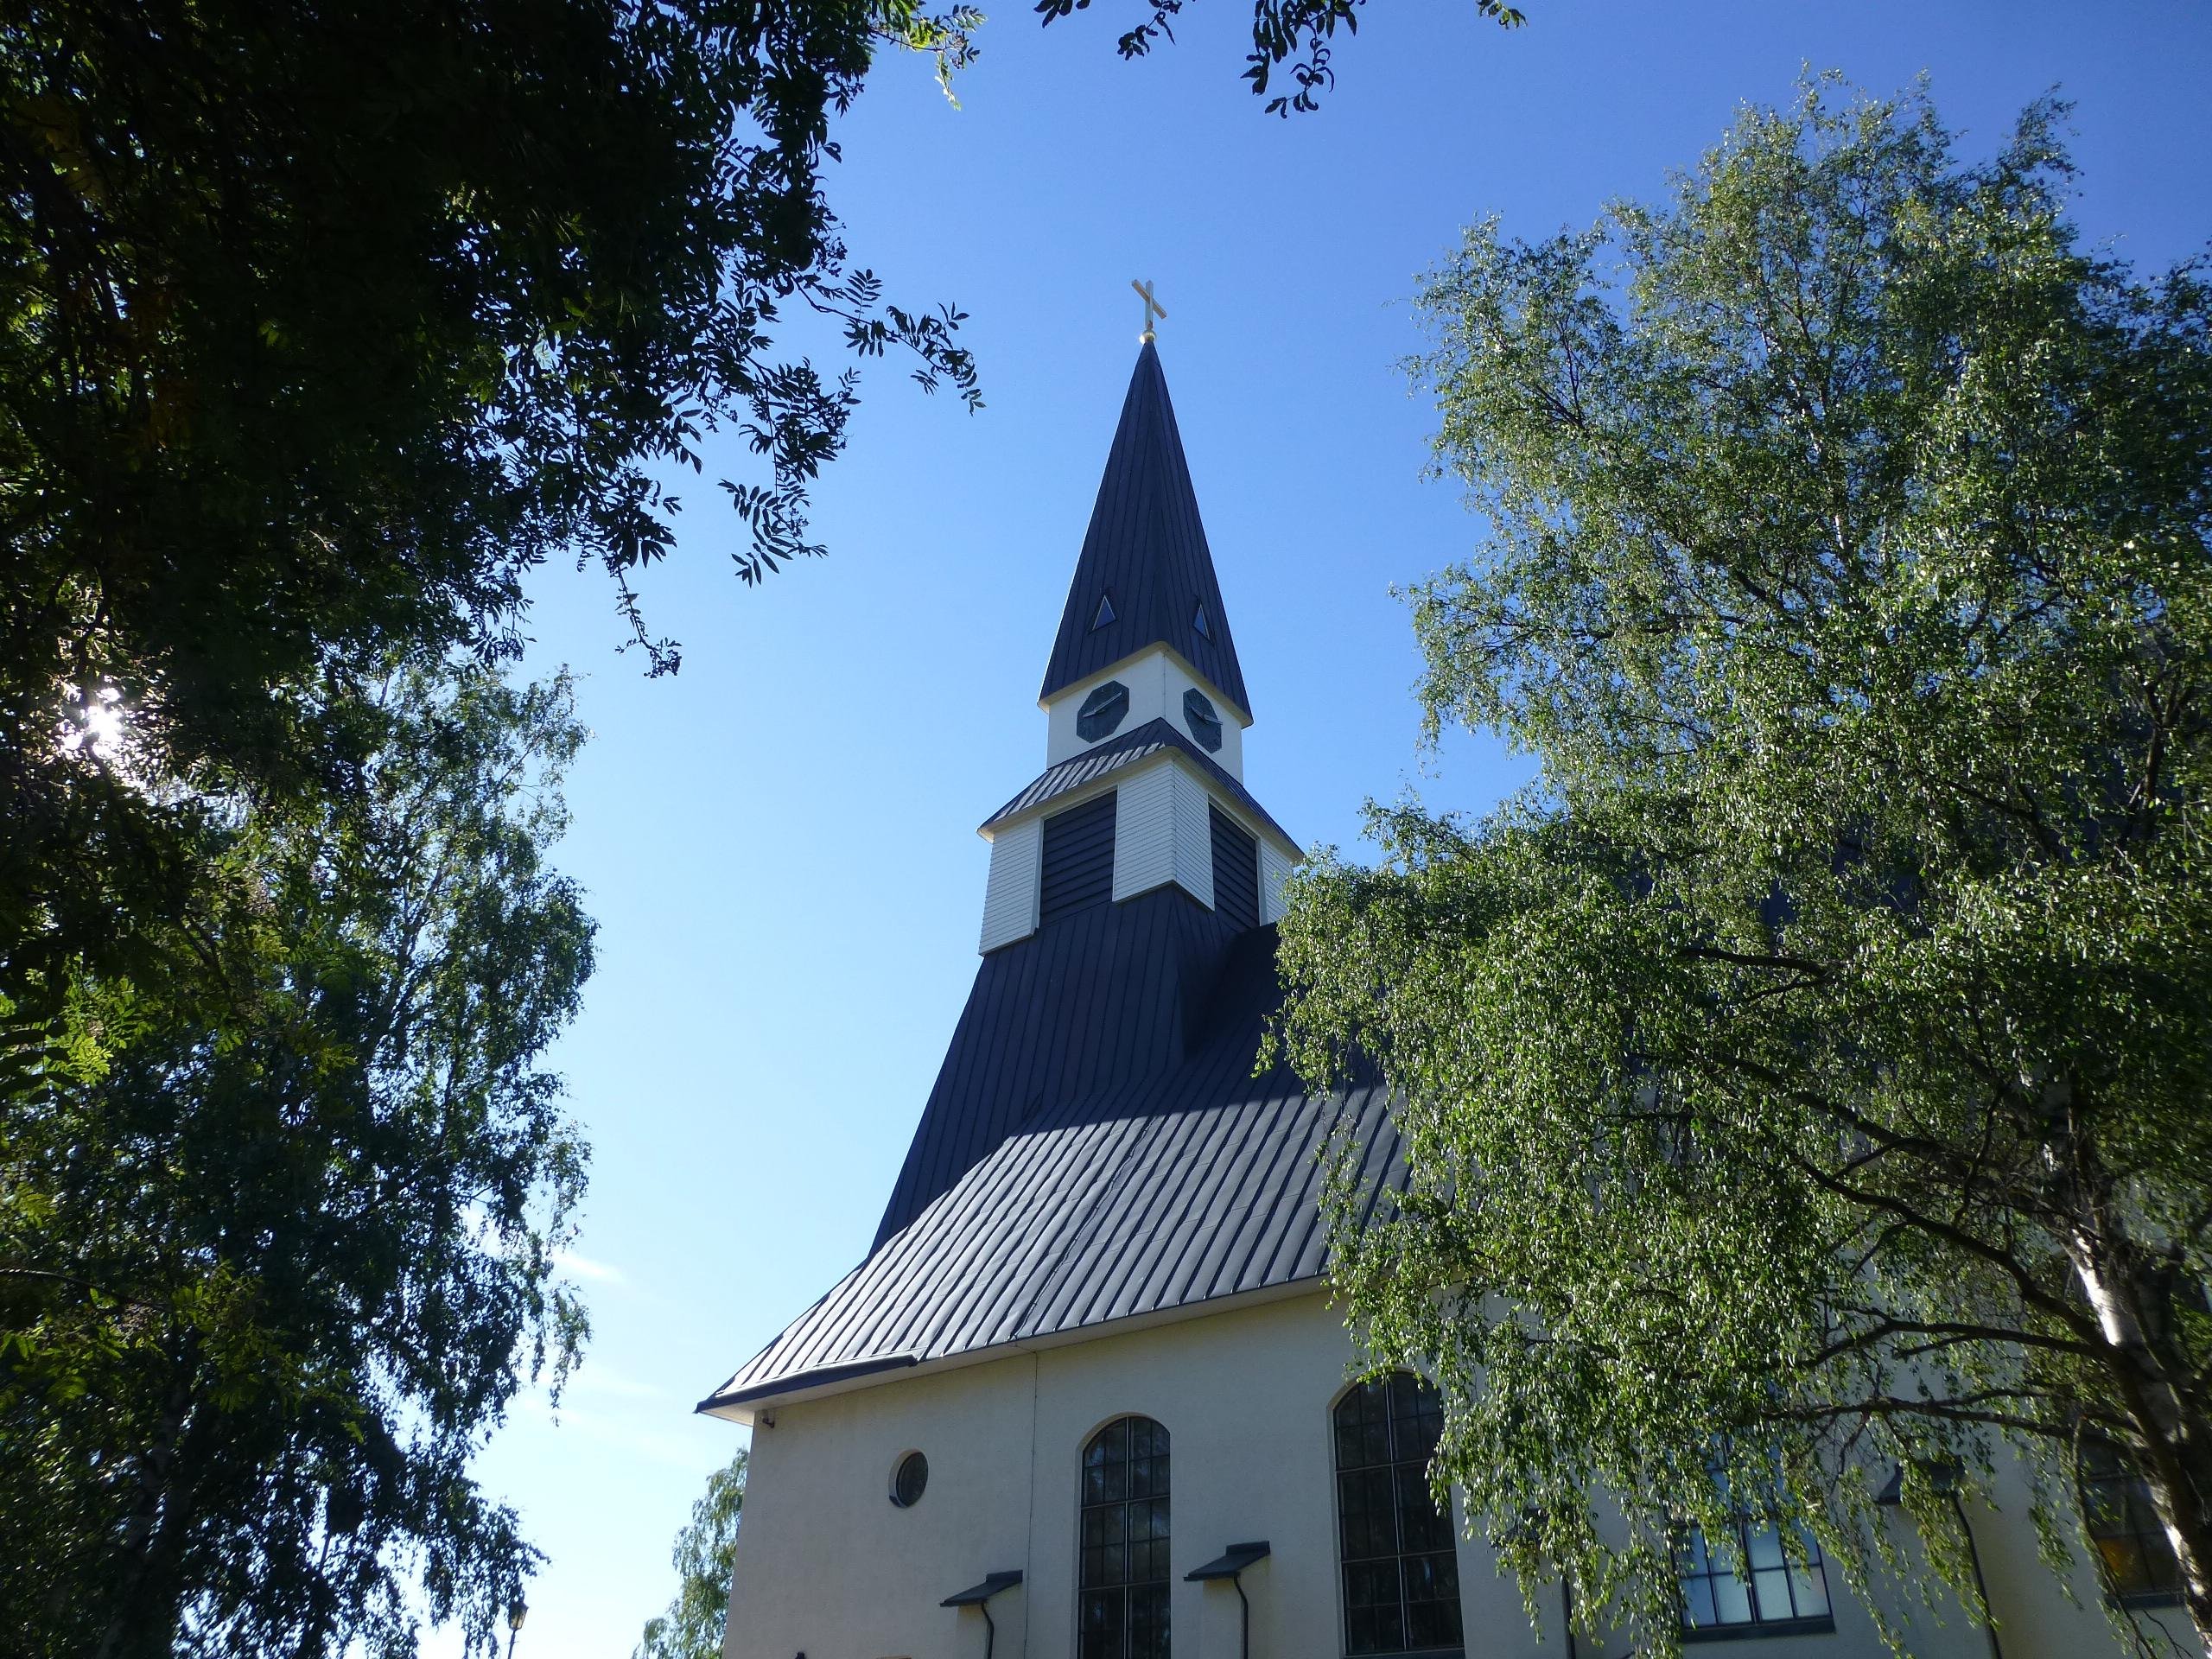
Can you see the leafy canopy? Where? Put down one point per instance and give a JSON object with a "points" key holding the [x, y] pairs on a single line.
{"points": [[279, 1222], [692, 1627], [1806, 1077], [321, 325]]}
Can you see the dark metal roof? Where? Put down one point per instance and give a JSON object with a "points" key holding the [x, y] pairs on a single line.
{"points": [[1146, 548], [1092, 999], [1229, 1563], [1152, 1189], [1139, 743], [1096, 1146]]}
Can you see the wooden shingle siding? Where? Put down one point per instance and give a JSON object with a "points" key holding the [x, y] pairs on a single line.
{"points": [[1078, 860], [1144, 848], [1235, 871]]}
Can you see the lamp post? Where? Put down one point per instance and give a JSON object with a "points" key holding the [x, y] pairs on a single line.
{"points": [[516, 1614]]}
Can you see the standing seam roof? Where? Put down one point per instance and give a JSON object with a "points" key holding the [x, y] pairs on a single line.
{"points": [[1199, 1182]]}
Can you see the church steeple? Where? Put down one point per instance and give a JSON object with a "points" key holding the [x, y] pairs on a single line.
{"points": [[1145, 577], [1142, 796]]}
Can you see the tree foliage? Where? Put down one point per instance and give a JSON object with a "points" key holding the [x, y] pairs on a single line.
{"points": [[1805, 1079], [1295, 37], [321, 324], [278, 1220], [693, 1625]]}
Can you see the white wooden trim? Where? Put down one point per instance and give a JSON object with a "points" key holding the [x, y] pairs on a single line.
{"points": [[1010, 893], [1144, 830], [1274, 870]]}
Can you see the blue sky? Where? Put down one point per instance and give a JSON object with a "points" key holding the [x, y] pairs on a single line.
{"points": [[779, 843]]}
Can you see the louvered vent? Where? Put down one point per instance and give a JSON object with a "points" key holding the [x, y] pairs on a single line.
{"points": [[1078, 859], [1235, 871]]}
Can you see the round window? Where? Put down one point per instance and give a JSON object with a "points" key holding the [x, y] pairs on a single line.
{"points": [[910, 1480]]}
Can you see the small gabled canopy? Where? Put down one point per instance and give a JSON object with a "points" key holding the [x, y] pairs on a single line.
{"points": [[1145, 577], [1229, 1564], [977, 1594]]}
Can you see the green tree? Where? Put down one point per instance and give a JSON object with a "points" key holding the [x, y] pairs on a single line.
{"points": [[323, 323], [279, 1221], [692, 1627], [1806, 1077], [1295, 38]]}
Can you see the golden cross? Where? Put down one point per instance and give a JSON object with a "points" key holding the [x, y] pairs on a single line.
{"points": [[1152, 307]]}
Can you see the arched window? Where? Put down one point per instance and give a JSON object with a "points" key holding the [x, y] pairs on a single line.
{"points": [[1400, 1569], [1122, 1563]]}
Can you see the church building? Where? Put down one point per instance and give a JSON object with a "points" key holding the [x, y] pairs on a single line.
{"points": [[1088, 1396]]}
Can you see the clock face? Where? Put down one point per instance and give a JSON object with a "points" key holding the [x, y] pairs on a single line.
{"points": [[1101, 711], [1198, 715]]}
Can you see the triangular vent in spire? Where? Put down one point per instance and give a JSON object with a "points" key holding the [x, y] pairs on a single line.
{"points": [[1147, 548]]}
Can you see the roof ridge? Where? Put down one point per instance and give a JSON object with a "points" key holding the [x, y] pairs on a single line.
{"points": [[1138, 743]]}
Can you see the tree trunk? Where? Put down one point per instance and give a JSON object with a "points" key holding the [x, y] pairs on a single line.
{"points": [[2154, 1385]]}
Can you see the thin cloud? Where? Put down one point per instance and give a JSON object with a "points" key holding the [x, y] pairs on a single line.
{"points": [[599, 1380], [584, 1267]]}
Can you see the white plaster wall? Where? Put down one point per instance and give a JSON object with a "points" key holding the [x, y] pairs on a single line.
{"points": [[1274, 869], [826, 1567], [1157, 679], [1010, 893], [1144, 829], [2037, 1621], [1246, 1394]]}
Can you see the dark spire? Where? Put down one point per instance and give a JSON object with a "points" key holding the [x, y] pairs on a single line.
{"points": [[1145, 577]]}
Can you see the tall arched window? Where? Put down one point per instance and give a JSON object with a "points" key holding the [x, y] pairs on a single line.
{"points": [[1400, 1569], [1122, 1563]]}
